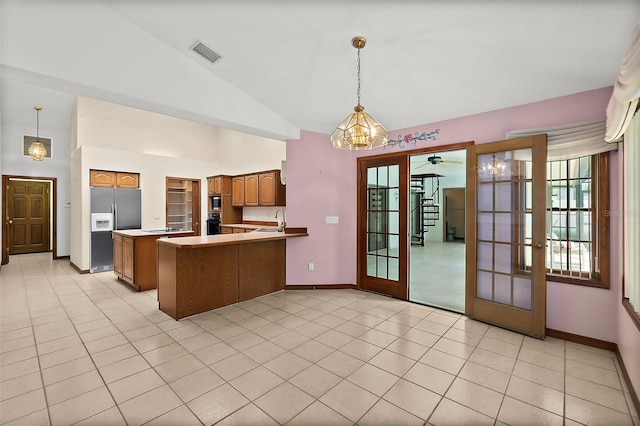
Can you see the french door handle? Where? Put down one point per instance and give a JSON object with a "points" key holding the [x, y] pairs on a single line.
{"points": [[538, 245]]}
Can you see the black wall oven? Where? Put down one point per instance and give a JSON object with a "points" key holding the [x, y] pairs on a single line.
{"points": [[213, 224]]}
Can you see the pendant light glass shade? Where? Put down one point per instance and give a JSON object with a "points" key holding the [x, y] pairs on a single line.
{"points": [[359, 130], [37, 150]]}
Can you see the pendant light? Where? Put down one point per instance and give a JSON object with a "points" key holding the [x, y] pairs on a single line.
{"points": [[359, 130], [37, 150]]}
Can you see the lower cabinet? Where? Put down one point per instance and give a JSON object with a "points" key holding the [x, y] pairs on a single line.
{"points": [[230, 229], [127, 259], [135, 257], [117, 255], [123, 258]]}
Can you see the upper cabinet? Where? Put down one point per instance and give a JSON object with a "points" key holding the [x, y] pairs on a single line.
{"points": [[111, 179], [237, 192], [219, 185], [271, 191], [127, 180], [259, 189], [251, 191], [102, 178]]}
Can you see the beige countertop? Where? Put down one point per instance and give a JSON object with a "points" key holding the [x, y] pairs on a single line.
{"points": [[229, 239], [146, 233]]}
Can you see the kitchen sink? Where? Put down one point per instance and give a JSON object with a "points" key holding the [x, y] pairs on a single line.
{"points": [[266, 230]]}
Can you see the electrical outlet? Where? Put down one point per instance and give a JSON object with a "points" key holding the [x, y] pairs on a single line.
{"points": [[311, 266]]}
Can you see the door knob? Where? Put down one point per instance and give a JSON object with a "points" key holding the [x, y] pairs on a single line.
{"points": [[10, 222], [538, 245]]}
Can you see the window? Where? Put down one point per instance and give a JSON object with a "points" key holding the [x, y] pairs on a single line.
{"points": [[577, 224]]}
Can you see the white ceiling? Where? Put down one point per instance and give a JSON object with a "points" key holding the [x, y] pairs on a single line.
{"points": [[289, 65]]}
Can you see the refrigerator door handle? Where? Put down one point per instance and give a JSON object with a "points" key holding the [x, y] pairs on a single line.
{"points": [[115, 216]]}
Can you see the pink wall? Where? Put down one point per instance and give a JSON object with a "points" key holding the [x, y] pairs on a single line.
{"points": [[321, 181]]}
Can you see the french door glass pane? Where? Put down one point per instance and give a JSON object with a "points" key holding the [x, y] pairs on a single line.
{"points": [[504, 227], [383, 222]]}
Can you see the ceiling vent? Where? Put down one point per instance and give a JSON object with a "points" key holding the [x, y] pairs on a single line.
{"points": [[206, 52]]}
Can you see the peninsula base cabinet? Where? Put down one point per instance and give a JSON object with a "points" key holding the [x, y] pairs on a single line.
{"points": [[134, 257], [123, 258], [194, 279]]}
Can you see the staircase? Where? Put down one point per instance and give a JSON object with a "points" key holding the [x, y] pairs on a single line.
{"points": [[425, 205]]}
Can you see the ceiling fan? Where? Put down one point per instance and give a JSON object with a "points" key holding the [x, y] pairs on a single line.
{"points": [[436, 160]]}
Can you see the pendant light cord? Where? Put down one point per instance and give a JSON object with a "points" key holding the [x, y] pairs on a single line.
{"points": [[358, 76]]}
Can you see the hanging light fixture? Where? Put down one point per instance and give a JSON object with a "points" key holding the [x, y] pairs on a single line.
{"points": [[37, 150], [492, 168], [359, 130]]}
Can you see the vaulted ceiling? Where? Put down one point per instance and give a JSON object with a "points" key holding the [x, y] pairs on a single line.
{"points": [[289, 65]]}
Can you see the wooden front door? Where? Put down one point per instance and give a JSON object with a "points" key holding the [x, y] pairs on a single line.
{"points": [[506, 201], [28, 216], [382, 225]]}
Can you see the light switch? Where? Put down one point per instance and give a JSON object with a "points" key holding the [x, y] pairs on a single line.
{"points": [[331, 219]]}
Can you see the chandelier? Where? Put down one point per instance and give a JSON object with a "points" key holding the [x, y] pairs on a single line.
{"points": [[359, 130], [492, 168], [37, 150]]}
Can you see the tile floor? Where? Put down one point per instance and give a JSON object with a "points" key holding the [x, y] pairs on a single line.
{"points": [[84, 349], [437, 275]]}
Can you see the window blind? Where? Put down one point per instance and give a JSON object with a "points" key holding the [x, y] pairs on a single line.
{"points": [[571, 140], [626, 91]]}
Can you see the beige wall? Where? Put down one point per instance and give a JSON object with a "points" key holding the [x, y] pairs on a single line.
{"points": [[114, 137]]}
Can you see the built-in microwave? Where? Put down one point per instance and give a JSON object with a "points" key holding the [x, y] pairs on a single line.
{"points": [[216, 202]]}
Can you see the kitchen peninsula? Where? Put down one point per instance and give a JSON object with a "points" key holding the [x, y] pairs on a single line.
{"points": [[198, 274]]}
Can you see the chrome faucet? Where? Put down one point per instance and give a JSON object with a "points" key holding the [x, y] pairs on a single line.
{"points": [[281, 221]]}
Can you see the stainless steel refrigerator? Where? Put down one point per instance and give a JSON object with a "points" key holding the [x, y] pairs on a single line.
{"points": [[111, 209]]}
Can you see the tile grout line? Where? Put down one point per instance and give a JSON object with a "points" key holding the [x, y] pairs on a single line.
{"points": [[77, 284], [130, 342], [35, 343]]}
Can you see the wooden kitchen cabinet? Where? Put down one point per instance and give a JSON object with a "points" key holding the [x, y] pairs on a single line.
{"points": [[226, 230], [211, 185], [251, 190], [117, 254], [237, 196], [111, 179], [219, 185], [123, 257], [127, 180], [271, 191], [102, 178], [259, 189], [127, 259], [135, 255]]}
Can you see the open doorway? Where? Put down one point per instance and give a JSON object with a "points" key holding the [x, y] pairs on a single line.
{"points": [[437, 214]]}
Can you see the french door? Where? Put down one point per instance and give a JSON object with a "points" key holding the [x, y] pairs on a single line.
{"points": [[506, 202], [382, 225]]}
